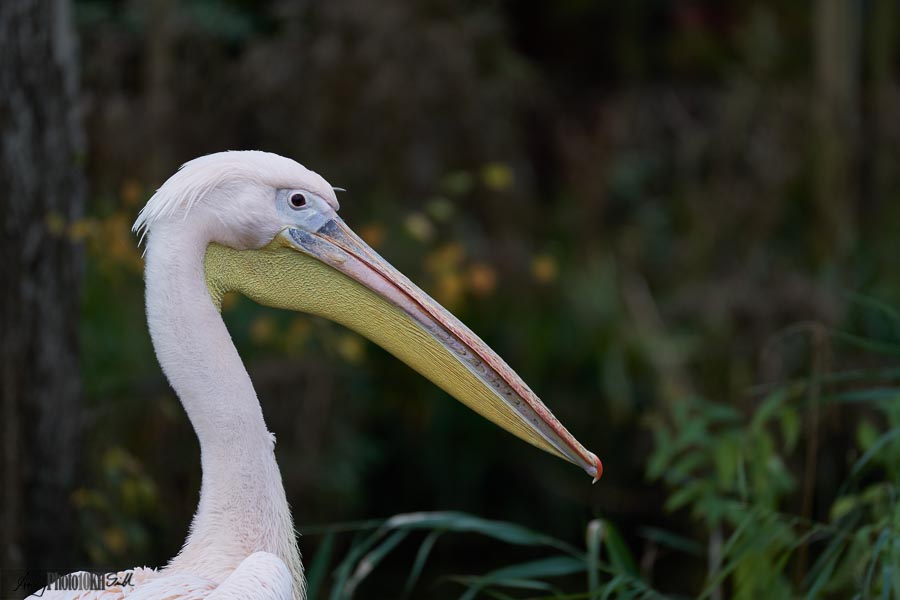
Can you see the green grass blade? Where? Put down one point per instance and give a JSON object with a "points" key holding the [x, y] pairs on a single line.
{"points": [[821, 572], [345, 527], [475, 585], [315, 575], [619, 554], [612, 587], [876, 395], [673, 541], [510, 533], [343, 573], [880, 443], [887, 573], [594, 535], [554, 566], [497, 595], [368, 562], [877, 305], [523, 575], [419, 563], [883, 538], [867, 344]]}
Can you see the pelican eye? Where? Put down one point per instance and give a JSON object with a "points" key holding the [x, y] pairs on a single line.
{"points": [[298, 200]]}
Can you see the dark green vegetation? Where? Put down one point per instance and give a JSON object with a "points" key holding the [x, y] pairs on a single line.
{"points": [[678, 221]]}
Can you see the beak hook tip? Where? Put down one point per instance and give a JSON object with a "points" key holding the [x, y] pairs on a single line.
{"points": [[597, 469]]}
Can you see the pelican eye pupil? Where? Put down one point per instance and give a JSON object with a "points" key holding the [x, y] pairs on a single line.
{"points": [[298, 200]]}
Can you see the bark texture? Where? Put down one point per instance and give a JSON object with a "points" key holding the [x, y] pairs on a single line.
{"points": [[42, 190]]}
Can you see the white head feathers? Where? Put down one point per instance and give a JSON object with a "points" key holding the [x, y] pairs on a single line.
{"points": [[227, 172]]}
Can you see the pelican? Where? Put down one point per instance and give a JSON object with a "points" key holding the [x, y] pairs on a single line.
{"points": [[264, 226]]}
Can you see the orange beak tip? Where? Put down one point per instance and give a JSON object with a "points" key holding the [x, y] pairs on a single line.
{"points": [[599, 467]]}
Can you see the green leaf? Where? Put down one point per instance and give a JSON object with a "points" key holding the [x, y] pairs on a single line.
{"points": [[477, 584], [883, 538], [671, 540], [524, 575], [344, 527], [342, 573], [686, 465], [419, 562], [790, 428], [882, 308], [727, 458], [594, 538], [510, 533], [768, 409], [721, 413], [872, 395], [819, 576], [887, 574], [866, 435], [612, 587], [619, 554], [874, 450], [554, 566], [843, 506], [870, 345], [315, 575], [688, 493], [368, 563]]}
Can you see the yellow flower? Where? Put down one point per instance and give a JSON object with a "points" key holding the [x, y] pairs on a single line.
{"points": [[131, 192], [262, 330], [449, 290], [114, 539], [351, 348], [482, 279], [544, 268], [420, 227], [229, 301], [497, 176], [373, 234]]}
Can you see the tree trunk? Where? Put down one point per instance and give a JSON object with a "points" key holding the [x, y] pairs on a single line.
{"points": [[42, 190], [836, 51]]}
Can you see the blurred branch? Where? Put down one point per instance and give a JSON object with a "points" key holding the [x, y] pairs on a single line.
{"points": [[650, 326], [837, 53], [821, 362]]}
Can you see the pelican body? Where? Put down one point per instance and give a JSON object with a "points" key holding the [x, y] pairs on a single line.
{"points": [[266, 227]]}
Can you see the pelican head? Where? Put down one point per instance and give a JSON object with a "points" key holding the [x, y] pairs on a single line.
{"points": [[272, 232]]}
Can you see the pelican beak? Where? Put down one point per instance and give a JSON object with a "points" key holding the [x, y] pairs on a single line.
{"points": [[335, 274]]}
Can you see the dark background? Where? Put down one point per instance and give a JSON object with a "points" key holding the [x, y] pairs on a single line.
{"points": [[677, 220]]}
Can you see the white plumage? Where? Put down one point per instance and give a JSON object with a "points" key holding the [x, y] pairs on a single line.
{"points": [[242, 542]]}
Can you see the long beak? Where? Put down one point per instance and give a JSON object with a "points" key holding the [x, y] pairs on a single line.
{"points": [[363, 291]]}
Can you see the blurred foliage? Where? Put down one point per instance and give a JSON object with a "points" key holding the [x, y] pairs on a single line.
{"points": [[672, 218], [732, 472]]}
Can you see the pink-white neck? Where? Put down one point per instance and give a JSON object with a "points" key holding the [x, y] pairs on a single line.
{"points": [[242, 506]]}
